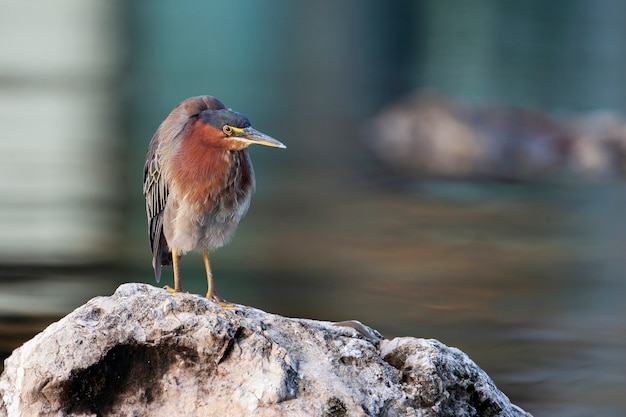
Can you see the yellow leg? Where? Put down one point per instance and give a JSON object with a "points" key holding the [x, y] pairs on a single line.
{"points": [[175, 265], [211, 294]]}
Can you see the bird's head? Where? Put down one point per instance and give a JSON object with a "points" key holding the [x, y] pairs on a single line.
{"points": [[217, 126]]}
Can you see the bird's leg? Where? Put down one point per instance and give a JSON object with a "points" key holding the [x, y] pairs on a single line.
{"points": [[175, 266], [211, 294]]}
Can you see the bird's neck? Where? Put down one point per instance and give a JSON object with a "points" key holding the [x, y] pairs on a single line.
{"points": [[205, 172]]}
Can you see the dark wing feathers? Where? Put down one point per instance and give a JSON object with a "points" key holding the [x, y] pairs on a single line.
{"points": [[155, 191]]}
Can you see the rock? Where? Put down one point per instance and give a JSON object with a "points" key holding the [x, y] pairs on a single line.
{"points": [[428, 136], [145, 352]]}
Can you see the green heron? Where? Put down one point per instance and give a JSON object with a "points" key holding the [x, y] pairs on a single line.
{"points": [[198, 180]]}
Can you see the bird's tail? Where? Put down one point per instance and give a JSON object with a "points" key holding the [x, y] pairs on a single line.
{"points": [[161, 255]]}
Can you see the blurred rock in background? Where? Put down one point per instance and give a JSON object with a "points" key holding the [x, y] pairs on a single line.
{"points": [[431, 136]]}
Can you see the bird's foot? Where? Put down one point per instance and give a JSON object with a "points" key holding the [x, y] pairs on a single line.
{"points": [[219, 300], [172, 290]]}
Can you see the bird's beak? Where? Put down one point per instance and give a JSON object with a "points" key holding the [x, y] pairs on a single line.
{"points": [[252, 136]]}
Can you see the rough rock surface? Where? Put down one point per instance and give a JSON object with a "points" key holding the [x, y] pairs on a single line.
{"points": [[145, 352]]}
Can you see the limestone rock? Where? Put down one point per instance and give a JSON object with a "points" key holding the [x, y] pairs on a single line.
{"points": [[145, 352]]}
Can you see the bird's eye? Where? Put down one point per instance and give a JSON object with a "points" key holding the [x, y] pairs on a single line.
{"points": [[227, 130]]}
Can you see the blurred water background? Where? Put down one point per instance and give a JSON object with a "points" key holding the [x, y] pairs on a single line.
{"points": [[524, 273]]}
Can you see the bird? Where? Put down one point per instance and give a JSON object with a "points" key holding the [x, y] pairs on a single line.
{"points": [[197, 181]]}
